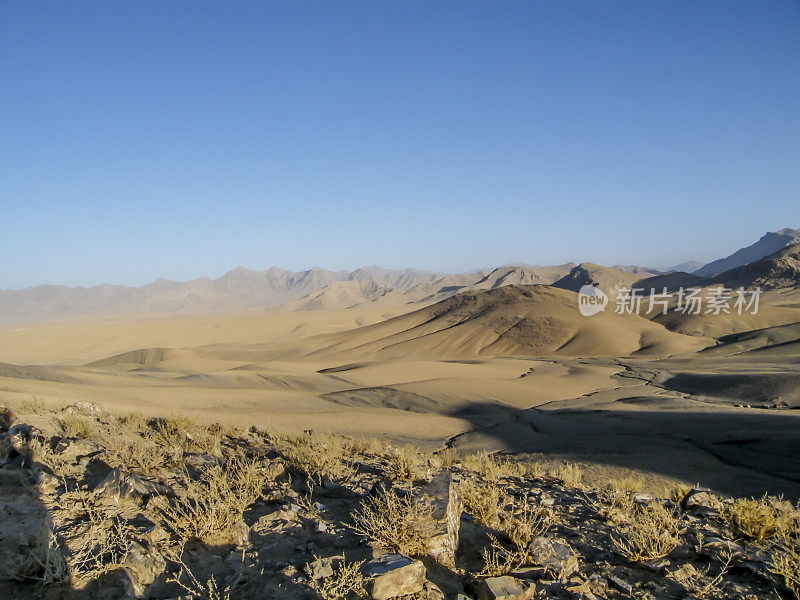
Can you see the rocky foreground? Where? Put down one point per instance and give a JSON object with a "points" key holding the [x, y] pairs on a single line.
{"points": [[98, 506]]}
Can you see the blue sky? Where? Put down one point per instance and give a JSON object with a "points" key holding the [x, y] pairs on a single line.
{"points": [[182, 139]]}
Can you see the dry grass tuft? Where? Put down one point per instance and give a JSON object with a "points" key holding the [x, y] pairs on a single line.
{"points": [[678, 493], [653, 532], [346, 582], [397, 524], [481, 499], [319, 456], [212, 507], [73, 426], [754, 519], [569, 475], [407, 463]]}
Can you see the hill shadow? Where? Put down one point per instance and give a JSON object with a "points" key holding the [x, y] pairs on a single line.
{"points": [[742, 453]]}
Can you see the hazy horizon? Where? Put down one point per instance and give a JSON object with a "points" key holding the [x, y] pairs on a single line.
{"points": [[182, 140]]}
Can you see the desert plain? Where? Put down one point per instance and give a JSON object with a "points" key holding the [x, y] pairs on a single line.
{"points": [[710, 399]]}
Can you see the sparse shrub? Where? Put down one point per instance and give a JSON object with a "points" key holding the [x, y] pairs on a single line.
{"points": [[397, 524], [406, 463], [209, 590], [40, 560], [346, 582], [318, 456], [653, 532], [448, 457], [101, 538], [613, 504], [482, 463], [498, 561], [481, 499], [131, 451], [133, 422], [568, 474], [73, 426], [212, 507], [755, 519], [631, 484], [31, 405], [522, 528], [534, 468], [785, 562]]}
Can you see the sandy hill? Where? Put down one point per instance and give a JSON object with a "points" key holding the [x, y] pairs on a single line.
{"points": [[509, 321], [400, 279], [351, 294], [345, 294], [522, 275], [607, 279], [768, 244]]}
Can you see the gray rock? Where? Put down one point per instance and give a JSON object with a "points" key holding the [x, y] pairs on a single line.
{"points": [[142, 568], [394, 575], [447, 507], [620, 584], [321, 568], [122, 484]]}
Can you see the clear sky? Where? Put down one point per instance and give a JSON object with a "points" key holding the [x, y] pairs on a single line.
{"points": [[182, 139]]}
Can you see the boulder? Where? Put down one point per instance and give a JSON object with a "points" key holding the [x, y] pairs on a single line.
{"points": [[394, 575], [83, 408], [7, 418], [504, 588], [555, 555]]}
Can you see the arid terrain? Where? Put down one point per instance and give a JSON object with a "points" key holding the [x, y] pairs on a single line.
{"points": [[383, 434], [500, 361]]}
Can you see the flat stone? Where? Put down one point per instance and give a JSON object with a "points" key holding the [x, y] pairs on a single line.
{"points": [[504, 588], [620, 584], [682, 573], [394, 575]]}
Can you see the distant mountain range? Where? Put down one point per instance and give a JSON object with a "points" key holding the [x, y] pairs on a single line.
{"points": [[771, 262], [769, 243]]}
